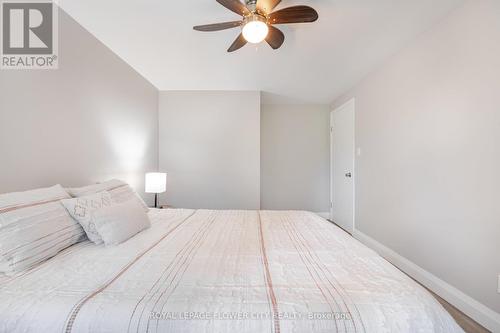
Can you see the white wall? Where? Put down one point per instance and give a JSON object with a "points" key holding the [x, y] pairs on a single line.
{"points": [[210, 148], [295, 157], [92, 119], [428, 124]]}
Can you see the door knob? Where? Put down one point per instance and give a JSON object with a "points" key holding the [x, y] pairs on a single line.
{"points": [[348, 175]]}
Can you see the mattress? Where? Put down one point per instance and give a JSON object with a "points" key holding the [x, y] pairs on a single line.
{"points": [[221, 271]]}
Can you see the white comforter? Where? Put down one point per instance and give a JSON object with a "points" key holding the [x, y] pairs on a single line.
{"points": [[221, 271]]}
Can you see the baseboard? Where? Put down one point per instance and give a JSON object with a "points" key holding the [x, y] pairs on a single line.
{"points": [[472, 308], [325, 215]]}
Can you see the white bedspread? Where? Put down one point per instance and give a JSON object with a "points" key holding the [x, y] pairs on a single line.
{"points": [[221, 271]]}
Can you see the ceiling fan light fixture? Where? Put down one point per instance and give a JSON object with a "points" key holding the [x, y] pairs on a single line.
{"points": [[255, 29], [258, 19]]}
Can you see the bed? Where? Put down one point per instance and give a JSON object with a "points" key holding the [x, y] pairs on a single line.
{"points": [[221, 271]]}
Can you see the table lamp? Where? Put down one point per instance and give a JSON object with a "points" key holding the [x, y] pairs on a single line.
{"points": [[156, 182]]}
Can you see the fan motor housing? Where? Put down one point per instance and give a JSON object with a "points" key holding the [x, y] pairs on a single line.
{"points": [[251, 5], [254, 17]]}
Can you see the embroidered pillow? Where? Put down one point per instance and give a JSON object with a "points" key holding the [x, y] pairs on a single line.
{"points": [[82, 210], [119, 191], [120, 221]]}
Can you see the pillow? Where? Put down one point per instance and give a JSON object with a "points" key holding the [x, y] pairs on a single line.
{"points": [[82, 210], [119, 191], [18, 200], [95, 188], [126, 193], [34, 227], [120, 221]]}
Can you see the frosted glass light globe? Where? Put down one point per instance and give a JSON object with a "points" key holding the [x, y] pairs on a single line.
{"points": [[255, 31]]}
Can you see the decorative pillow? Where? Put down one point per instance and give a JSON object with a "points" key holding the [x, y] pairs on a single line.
{"points": [[34, 227], [119, 191], [120, 221], [82, 210]]}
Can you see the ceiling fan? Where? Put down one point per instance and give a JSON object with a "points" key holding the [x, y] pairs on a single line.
{"points": [[258, 21]]}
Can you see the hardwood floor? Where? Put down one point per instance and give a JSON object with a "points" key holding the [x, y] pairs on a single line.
{"points": [[467, 323]]}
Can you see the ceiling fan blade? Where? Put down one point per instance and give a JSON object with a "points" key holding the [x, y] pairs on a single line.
{"points": [[218, 26], [267, 6], [295, 14], [238, 43], [235, 6], [275, 37]]}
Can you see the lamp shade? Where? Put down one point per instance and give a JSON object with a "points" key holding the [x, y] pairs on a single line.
{"points": [[156, 182]]}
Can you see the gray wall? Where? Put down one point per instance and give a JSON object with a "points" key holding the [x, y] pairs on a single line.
{"points": [[92, 119], [295, 157], [210, 148], [428, 124]]}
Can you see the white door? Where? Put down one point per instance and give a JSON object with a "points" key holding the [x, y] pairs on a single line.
{"points": [[342, 166]]}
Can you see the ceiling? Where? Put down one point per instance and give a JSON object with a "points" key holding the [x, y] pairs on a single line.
{"points": [[317, 63]]}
